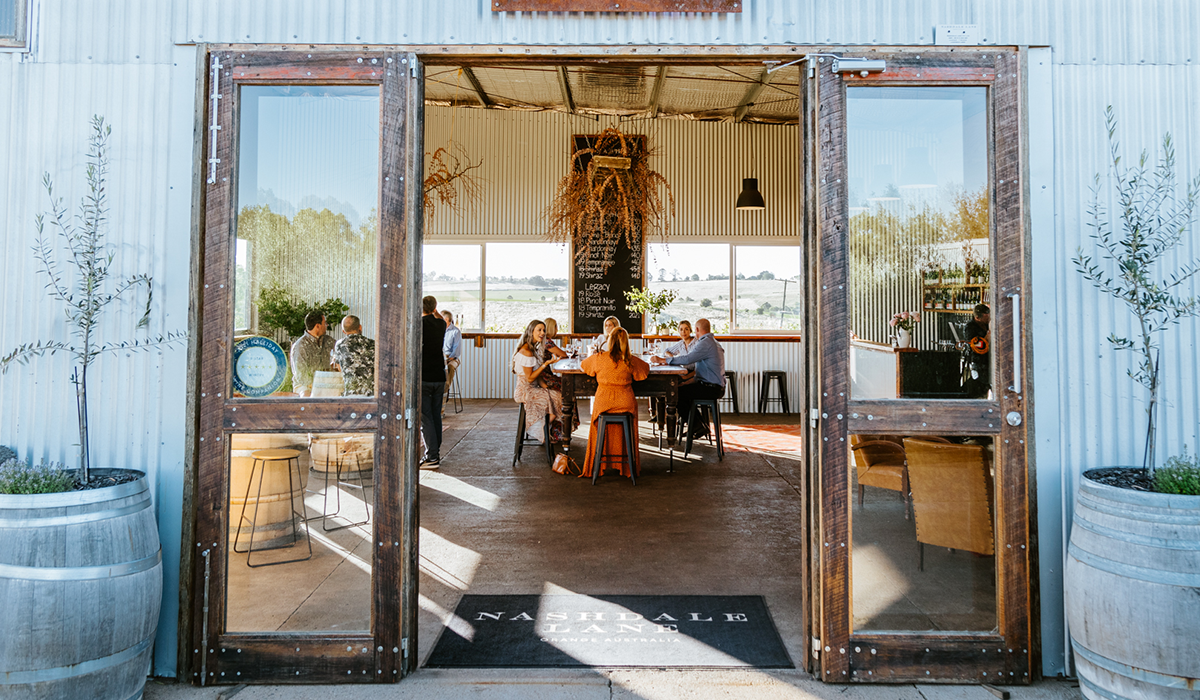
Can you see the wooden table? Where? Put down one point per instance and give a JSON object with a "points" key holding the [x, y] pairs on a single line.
{"points": [[663, 381]]}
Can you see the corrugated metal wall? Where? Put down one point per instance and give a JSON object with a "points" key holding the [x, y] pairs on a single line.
{"points": [[117, 57], [485, 372], [524, 155]]}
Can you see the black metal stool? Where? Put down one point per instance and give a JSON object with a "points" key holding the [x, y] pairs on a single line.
{"points": [[266, 457], [712, 410], [626, 422], [454, 394], [329, 449], [522, 441], [779, 378], [731, 392]]}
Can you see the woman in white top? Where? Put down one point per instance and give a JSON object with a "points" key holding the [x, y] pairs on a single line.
{"points": [[531, 388], [600, 344]]}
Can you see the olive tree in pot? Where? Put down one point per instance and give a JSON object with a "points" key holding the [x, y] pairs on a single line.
{"points": [[1133, 564], [80, 568]]}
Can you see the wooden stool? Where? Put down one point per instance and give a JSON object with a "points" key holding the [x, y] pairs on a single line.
{"points": [[598, 460], [712, 409], [731, 392], [522, 441], [779, 378], [332, 446], [267, 458]]}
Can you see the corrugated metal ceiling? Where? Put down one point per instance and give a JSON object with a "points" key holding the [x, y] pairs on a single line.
{"points": [[703, 92]]}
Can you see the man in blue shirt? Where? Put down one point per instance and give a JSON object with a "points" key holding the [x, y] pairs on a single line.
{"points": [[452, 351], [709, 358]]}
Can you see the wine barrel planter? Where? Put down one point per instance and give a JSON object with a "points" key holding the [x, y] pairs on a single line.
{"points": [[81, 584], [356, 452], [280, 493], [1133, 593]]}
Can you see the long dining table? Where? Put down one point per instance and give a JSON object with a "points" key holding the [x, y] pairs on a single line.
{"points": [[664, 381]]}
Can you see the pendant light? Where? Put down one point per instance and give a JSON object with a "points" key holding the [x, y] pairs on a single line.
{"points": [[750, 199]]}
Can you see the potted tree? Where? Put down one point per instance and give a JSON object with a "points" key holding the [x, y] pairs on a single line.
{"points": [[86, 558], [1133, 564]]}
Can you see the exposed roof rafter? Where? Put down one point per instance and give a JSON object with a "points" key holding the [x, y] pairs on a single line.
{"points": [[656, 92], [565, 86], [764, 77], [479, 92]]}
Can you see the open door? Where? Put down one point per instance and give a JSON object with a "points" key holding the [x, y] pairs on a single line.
{"points": [[305, 499], [923, 539]]}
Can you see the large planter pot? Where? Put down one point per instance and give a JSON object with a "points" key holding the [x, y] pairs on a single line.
{"points": [[1133, 593], [80, 588]]}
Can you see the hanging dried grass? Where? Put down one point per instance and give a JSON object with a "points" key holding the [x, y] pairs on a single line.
{"points": [[595, 207], [449, 176]]}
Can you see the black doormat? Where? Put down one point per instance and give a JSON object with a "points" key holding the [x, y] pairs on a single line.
{"points": [[531, 631]]}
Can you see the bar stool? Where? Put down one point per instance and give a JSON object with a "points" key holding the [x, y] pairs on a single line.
{"points": [[522, 441], [454, 395], [731, 392], [712, 415], [779, 379], [324, 448], [626, 422], [268, 458]]}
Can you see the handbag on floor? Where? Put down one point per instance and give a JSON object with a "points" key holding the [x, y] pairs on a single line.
{"points": [[565, 465]]}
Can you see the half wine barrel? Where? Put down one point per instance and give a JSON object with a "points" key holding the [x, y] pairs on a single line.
{"points": [[357, 452], [327, 384], [1133, 593], [81, 585], [279, 492]]}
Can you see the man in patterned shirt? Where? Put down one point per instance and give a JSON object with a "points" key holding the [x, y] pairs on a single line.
{"points": [[310, 353], [354, 355]]}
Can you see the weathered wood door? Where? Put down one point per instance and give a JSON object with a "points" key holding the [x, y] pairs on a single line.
{"points": [[305, 530], [922, 538]]}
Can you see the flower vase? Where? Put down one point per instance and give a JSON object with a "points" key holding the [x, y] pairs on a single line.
{"points": [[903, 338]]}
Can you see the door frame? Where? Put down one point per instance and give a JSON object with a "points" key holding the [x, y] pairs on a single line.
{"points": [[1005, 656], [381, 654]]}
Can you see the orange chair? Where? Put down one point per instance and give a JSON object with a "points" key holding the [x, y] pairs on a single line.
{"points": [[951, 496], [880, 463]]}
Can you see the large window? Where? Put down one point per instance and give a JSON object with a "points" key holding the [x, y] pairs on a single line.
{"points": [[699, 274], [524, 281], [767, 288], [12, 22]]}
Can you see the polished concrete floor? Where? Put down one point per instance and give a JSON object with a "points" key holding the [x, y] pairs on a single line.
{"points": [[730, 527]]}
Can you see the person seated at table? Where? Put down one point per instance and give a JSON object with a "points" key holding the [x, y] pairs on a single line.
{"points": [[540, 400], [615, 371], [548, 350], [709, 358], [685, 342], [600, 344]]}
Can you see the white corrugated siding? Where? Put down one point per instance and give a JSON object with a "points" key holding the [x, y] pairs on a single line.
{"points": [[485, 372], [524, 155]]}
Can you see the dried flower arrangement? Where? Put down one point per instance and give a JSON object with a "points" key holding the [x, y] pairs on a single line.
{"points": [[609, 194], [449, 172]]}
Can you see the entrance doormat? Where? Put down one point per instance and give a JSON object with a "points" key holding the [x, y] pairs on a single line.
{"points": [[535, 631]]}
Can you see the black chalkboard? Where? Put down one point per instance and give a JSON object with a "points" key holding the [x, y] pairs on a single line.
{"points": [[596, 295]]}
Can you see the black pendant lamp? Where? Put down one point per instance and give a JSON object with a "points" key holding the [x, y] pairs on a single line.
{"points": [[750, 199]]}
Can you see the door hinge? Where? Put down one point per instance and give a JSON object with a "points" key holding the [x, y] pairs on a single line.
{"points": [[816, 647], [814, 414], [214, 126], [404, 648], [408, 417]]}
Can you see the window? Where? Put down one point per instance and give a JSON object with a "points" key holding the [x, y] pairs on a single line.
{"points": [[453, 274], [699, 274], [524, 281], [12, 23], [767, 287]]}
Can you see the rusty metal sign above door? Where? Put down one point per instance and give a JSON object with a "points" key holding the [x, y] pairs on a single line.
{"points": [[617, 5]]}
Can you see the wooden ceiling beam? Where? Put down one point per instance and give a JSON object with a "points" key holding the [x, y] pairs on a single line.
{"points": [[764, 78], [565, 86], [656, 93], [480, 94]]}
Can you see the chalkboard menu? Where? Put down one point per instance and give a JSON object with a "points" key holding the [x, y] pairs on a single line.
{"points": [[598, 293]]}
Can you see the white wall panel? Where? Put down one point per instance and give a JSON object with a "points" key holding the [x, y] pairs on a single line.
{"points": [[524, 155]]}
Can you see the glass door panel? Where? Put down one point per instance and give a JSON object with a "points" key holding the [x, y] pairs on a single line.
{"points": [[306, 252], [920, 242]]}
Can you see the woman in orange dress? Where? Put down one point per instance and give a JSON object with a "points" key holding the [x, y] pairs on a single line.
{"points": [[615, 371]]}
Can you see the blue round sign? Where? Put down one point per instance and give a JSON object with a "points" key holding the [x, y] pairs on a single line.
{"points": [[259, 366]]}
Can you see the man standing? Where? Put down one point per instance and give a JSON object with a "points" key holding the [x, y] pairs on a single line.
{"points": [[433, 381], [979, 339], [354, 355], [451, 351], [310, 353], [709, 358]]}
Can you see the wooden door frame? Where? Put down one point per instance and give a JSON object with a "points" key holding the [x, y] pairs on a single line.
{"points": [[1006, 656], [383, 653]]}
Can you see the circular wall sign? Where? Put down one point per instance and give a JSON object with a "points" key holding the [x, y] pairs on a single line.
{"points": [[259, 366]]}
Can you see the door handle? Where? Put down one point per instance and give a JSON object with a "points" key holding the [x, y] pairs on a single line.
{"points": [[1015, 387]]}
